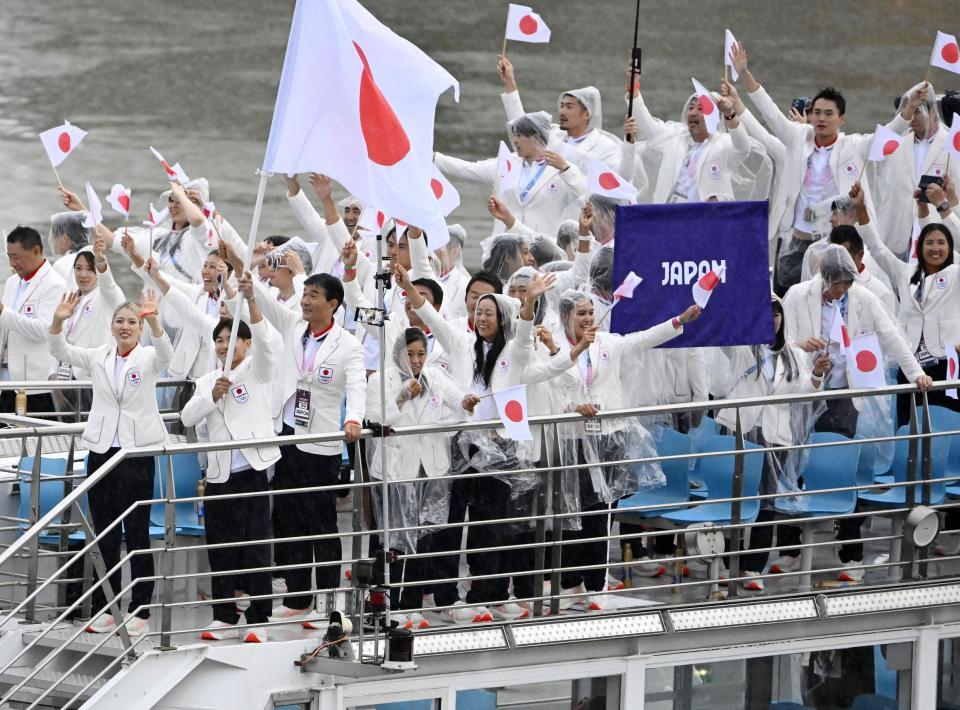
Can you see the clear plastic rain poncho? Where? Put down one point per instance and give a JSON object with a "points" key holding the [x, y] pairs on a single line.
{"points": [[604, 217], [784, 367], [417, 497], [544, 250], [507, 253], [516, 287], [302, 249], [450, 255], [533, 125], [69, 225], [836, 265], [483, 450], [593, 443], [601, 285], [553, 295], [567, 236], [589, 96]]}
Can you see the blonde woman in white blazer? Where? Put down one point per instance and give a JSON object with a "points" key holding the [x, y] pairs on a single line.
{"points": [[929, 296], [237, 407], [124, 414]]}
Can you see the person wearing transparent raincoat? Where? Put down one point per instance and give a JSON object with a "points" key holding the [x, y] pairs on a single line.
{"points": [[505, 254], [775, 369], [416, 394], [501, 355], [592, 386], [67, 238]]}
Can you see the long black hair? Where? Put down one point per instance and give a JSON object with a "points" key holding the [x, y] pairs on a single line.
{"points": [[921, 266], [778, 348], [483, 366]]}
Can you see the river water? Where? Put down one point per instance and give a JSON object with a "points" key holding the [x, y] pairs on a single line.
{"points": [[198, 80]]}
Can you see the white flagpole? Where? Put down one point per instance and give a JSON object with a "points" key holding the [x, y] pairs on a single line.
{"points": [[261, 190]]}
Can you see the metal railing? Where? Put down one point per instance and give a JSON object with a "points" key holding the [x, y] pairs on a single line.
{"points": [[548, 512]]}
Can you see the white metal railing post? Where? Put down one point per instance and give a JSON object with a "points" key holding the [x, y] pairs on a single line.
{"points": [[33, 561], [166, 559]]}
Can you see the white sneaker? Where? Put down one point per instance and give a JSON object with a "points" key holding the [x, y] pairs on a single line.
{"points": [[597, 602], [103, 624], [567, 602], [307, 618], [220, 631], [137, 627], [510, 611], [414, 621], [463, 614], [752, 585], [648, 567], [614, 583], [255, 634], [279, 585], [243, 601], [852, 571], [784, 564]]}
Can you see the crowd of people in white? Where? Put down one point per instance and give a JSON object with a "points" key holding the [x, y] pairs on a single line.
{"points": [[840, 231]]}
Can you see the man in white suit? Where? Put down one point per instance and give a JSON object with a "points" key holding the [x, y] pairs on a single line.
{"points": [[321, 365], [30, 296]]}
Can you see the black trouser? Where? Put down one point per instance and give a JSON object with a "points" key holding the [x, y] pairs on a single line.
{"points": [[301, 514], [591, 552], [236, 520], [130, 481], [762, 536], [789, 264], [486, 499], [42, 402], [841, 418]]}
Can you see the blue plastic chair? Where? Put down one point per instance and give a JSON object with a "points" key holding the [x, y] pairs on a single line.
{"points": [[186, 474], [51, 493], [872, 701], [896, 497], [717, 472], [826, 468], [669, 442], [943, 419]]}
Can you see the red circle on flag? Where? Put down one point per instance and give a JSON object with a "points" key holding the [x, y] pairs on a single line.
{"points": [[124, 201], [514, 411], [706, 105], [528, 25], [509, 166], [950, 52], [437, 187], [956, 141], [952, 367], [608, 181], [63, 142], [709, 281], [866, 361], [381, 217], [890, 146]]}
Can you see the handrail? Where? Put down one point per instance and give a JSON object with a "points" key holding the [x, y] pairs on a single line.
{"points": [[206, 446], [74, 384]]}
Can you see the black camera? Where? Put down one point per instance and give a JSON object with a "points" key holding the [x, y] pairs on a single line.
{"points": [[925, 181]]}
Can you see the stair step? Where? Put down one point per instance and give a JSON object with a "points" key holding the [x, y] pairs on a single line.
{"points": [[68, 685], [85, 642]]}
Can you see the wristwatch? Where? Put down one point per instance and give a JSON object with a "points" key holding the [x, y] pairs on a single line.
{"points": [[943, 206]]}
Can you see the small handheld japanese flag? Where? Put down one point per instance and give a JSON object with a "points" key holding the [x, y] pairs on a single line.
{"points": [[371, 219], [885, 142], [154, 217], [59, 142], [865, 362], [953, 369], [448, 198], [946, 53], [629, 285], [512, 408], [119, 199], [838, 329], [95, 213], [708, 107], [524, 25], [209, 209], [914, 242], [703, 288], [728, 42], [174, 172], [601, 180], [508, 170], [953, 141]]}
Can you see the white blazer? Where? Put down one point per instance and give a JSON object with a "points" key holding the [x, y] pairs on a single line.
{"points": [[244, 411], [24, 323], [546, 203], [938, 319], [718, 160], [90, 325], [336, 371], [315, 230], [774, 419], [777, 151], [440, 403], [847, 158], [130, 415], [865, 314]]}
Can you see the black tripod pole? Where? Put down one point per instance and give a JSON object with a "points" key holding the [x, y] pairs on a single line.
{"points": [[635, 55]]}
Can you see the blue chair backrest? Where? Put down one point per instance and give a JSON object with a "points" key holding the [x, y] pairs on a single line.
{"points": [[186, 473], [717, 471], [831, 467], [51, 492], [944, 419], [670, 442], [939, 451]]}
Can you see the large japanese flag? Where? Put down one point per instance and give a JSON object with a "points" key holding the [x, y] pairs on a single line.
{"points": [[865, 362], [601, 180], [357, 102], [885, 142], [512, 408], [946, 53], [59, 142], [709, 108], [524, 25]]}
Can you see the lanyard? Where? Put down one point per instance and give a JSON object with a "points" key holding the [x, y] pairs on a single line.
{"points": [[533, 180], [307, 337]]}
